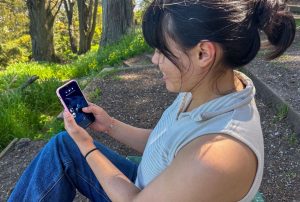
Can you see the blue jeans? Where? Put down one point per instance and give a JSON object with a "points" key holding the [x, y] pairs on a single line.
{"points": [[59, 169]]}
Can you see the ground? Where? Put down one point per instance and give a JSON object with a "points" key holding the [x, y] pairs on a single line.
{"points": [[139, 97], [282, 74]]}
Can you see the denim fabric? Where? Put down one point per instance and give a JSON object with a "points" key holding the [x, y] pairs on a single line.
{"points": [[59, 169]]}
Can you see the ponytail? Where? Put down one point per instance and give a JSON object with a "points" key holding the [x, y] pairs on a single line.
{"points": [[274, 18]]}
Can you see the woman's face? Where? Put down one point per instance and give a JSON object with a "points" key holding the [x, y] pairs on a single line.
{"points": [[183, 79], [171, 74]]}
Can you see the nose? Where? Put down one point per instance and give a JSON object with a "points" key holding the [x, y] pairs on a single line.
{"points": [[155, 58]]}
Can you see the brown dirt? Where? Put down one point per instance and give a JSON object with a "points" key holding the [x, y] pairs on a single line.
{"points": [[138, 97]]}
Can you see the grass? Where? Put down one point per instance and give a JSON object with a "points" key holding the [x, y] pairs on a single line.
{"points": [[298, 23], [95, 94], [282, 112], [31, 113], [116, 78], [293, 139]]}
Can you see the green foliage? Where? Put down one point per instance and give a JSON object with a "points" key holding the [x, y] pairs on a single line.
{"points": [[95, 94], [98, 29], [298, 23], [129, 46], [14, 40], [61, 34], [293, 139], [32, 112], [61, 39], [14, 20], [15, 51], [140, 10], [138, 16], [282, 112], [117, 78], [12, 115]]}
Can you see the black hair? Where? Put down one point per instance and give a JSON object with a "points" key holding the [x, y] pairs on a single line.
{"points": [[234, 24]]}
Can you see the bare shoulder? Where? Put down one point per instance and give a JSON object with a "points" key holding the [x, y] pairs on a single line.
{"points": [[224, 159], [218, 150], [213, 167]]}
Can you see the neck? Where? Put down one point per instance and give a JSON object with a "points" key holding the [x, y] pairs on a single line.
{"points": [[212, 87]]}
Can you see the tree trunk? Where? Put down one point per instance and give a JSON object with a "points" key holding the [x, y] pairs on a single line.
{"points": [[69, 7], [87, 10], [42, 14], [117, 19]]}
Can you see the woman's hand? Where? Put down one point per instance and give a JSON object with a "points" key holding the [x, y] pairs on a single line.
{"points": [[103, 120], [81, 137]]}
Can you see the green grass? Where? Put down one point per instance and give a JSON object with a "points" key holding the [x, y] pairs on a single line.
{"points": [[293, 139], [282, 112], [94, 95], [31, 113], [298, 22], [116, 78]]}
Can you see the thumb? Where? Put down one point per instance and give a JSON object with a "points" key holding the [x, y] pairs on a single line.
{"points": [[92, 108], [88, 109]]}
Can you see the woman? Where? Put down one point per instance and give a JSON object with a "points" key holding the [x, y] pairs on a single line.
{"points": [[208, 145]]}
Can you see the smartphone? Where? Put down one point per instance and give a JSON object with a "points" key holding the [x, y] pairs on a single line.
{"points": [[73, 99]]}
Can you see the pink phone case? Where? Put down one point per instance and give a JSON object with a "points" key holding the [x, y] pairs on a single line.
{"points": [[59, 96]]}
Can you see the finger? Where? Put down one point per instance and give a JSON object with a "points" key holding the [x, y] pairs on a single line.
{"points": [[69, 119], [92, 109], [89, 107]]}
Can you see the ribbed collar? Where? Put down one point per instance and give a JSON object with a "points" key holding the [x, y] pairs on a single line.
{"points": [[222, 104]]}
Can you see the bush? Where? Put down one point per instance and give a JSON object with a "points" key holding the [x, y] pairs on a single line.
{"points": [[128, 46], [17, 50], [32, 112], [17, 120]]}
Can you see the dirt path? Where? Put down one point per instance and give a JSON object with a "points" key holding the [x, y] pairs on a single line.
{"points": [[139, 97]]}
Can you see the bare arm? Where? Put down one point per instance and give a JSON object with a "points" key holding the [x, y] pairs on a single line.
{"points": [[219, 169], [133, 137]]}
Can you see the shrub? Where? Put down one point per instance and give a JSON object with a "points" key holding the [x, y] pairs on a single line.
{"points": [[32, 112], [17, 50]]}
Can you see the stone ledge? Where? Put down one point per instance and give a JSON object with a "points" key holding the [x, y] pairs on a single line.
{"points": [[8, 147], [295, 8], [271, 97]]}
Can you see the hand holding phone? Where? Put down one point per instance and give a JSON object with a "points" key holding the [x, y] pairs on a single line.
{"points": [[73, 100], [103, 121]]}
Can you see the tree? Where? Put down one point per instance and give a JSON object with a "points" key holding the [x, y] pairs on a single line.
{"points": [[42, 14], [117, 20], [87, 10], [69, 8]]}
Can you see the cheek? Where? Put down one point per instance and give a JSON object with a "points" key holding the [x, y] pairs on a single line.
{"points": [[173, 80]]}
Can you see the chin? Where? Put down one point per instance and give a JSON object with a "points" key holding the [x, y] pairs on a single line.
{"points": [[172, 89]]}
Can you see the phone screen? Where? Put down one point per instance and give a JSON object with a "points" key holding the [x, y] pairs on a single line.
{"points": [[75, 101]]}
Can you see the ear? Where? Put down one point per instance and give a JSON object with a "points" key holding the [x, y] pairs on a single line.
{"points": [[206, 53]]}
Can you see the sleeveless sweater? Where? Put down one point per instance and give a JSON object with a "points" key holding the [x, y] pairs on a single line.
{"points": [[234, 114]]}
